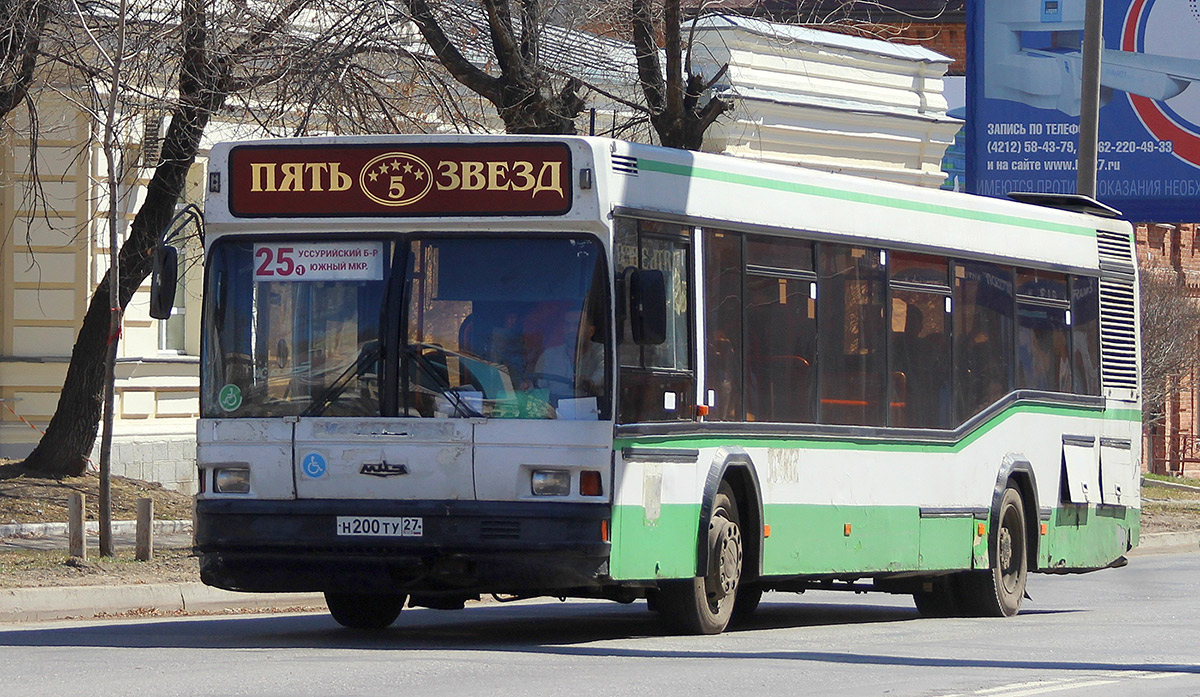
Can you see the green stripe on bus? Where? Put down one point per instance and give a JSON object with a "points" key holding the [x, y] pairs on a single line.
{"points": [[858, 197], [833, 442], [827, 539]]}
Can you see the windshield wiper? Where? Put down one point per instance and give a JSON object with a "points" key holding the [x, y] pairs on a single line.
{"points": [[414, 351], [368, 355]]}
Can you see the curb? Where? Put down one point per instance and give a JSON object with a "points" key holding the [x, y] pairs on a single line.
{"points": [[87, 602], [91, 526], [1152, 483], [1167, 542]]}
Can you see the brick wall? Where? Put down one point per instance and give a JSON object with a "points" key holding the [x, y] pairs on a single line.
{"points": [[947, 38], [1171, 445]]}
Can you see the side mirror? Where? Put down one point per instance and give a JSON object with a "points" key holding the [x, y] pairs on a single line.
{"points": [[647, 290], [163, 280]]}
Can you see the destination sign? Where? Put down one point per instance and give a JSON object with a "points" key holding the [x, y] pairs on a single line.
{"points": [[319, 261], [400, 180]]}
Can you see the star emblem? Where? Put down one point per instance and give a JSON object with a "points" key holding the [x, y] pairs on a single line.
{"points": [[408, 168], [395, 165], [373, 175]]}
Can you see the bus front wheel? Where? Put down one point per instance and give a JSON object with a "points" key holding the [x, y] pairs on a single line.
{"points": [[997, 592], [364, 611], [705, 605]]}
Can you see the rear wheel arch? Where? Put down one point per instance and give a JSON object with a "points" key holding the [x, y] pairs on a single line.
{"points": [[733, 465], [1016, 471]]}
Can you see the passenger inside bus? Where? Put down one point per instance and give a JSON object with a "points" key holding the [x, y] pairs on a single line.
{"points": [[573, 362]]}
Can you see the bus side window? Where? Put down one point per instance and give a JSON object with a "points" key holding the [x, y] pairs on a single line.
{"points": [[983, 330], [1043, 331], [656, 381], [723, 324], [780, 330], [919, 341], [853, 362], [1085, 334]]}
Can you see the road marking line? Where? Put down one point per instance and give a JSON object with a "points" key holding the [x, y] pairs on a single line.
{"points": [[1041, 687], [1022, 685], [1071, 685], [1157, 676]]}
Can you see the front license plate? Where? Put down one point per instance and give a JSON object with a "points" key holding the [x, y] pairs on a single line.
{"points": [[377, 526]]}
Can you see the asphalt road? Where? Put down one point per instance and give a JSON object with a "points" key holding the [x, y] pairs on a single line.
{"points": [[1131, 631]]}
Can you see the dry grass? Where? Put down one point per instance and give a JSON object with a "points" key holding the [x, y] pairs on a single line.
{"points": [[27, 497], [25, 568]]}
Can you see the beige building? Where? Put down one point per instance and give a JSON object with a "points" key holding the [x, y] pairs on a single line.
{"points": [[53, 252]]}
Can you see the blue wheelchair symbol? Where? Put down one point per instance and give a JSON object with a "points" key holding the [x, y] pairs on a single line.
{"points": [[313, 465]]}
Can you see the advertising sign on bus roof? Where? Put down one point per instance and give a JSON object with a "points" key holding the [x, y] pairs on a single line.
{"points": [[1024, 80], [400, 180]]}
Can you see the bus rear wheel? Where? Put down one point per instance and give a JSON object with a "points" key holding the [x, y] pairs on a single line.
{"points": [[705, 605], [364, 611], [998, 591]]}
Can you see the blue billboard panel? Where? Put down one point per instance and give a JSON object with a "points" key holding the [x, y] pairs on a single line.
{"points": [[1024, 69]]}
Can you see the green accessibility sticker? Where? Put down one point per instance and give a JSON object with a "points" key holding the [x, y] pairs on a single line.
{"points": [[230, 398]]}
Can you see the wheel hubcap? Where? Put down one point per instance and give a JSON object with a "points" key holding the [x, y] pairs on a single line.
{"points": [[725, 545], [1010, 550], [1005, 548]]}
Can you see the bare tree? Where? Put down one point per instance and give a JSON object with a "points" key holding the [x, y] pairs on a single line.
{"points": [[21, 25], [1170, 330], [298, 67], [528, 97], [673, 95]]}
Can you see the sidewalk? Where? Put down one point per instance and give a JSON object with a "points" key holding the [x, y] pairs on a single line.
{"points": [[70, 602], [168, 534], [86, 602]]}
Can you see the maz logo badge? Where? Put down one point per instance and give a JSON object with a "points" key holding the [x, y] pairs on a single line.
{"points": [[383, 469]]}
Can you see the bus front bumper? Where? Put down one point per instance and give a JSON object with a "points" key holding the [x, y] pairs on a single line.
{"points": [[464, 547]]}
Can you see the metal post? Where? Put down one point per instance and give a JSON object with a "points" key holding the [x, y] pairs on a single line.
{"points": [[1089, 98]]}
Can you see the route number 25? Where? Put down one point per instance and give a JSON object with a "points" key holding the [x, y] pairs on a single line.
{"points": [[276, 262]]}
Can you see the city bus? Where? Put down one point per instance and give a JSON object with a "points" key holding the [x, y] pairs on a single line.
{"points": [[438, 368]]}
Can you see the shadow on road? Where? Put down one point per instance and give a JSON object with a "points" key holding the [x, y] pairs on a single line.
{"points": [[533, 628]]}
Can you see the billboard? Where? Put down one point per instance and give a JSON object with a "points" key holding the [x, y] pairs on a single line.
{"points": [[1024, 69]]}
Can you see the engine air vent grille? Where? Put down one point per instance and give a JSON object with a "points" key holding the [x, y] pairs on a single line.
{"points": [[1118, 335], [1116, 254], [625, 164], [500, 529]]}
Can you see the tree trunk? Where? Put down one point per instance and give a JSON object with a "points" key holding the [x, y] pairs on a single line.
{"points": [[25, 19], [63, 450], [525, 108], [673, 99]]}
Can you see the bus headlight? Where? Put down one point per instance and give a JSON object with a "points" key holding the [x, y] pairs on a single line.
{"points": [[551, 482], [231, 480]]}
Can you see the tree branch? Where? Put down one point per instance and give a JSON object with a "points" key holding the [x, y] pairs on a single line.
{"points": [[449, 56], [26, 22]]}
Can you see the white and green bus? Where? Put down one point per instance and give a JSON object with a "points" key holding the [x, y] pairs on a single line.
{"points": [[438, 367]]}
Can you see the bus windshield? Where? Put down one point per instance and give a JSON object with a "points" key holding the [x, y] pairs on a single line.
{"points": [[474, 327]]}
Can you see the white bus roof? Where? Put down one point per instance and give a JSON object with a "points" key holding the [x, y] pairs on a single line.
{"points": [[608, 176]]}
